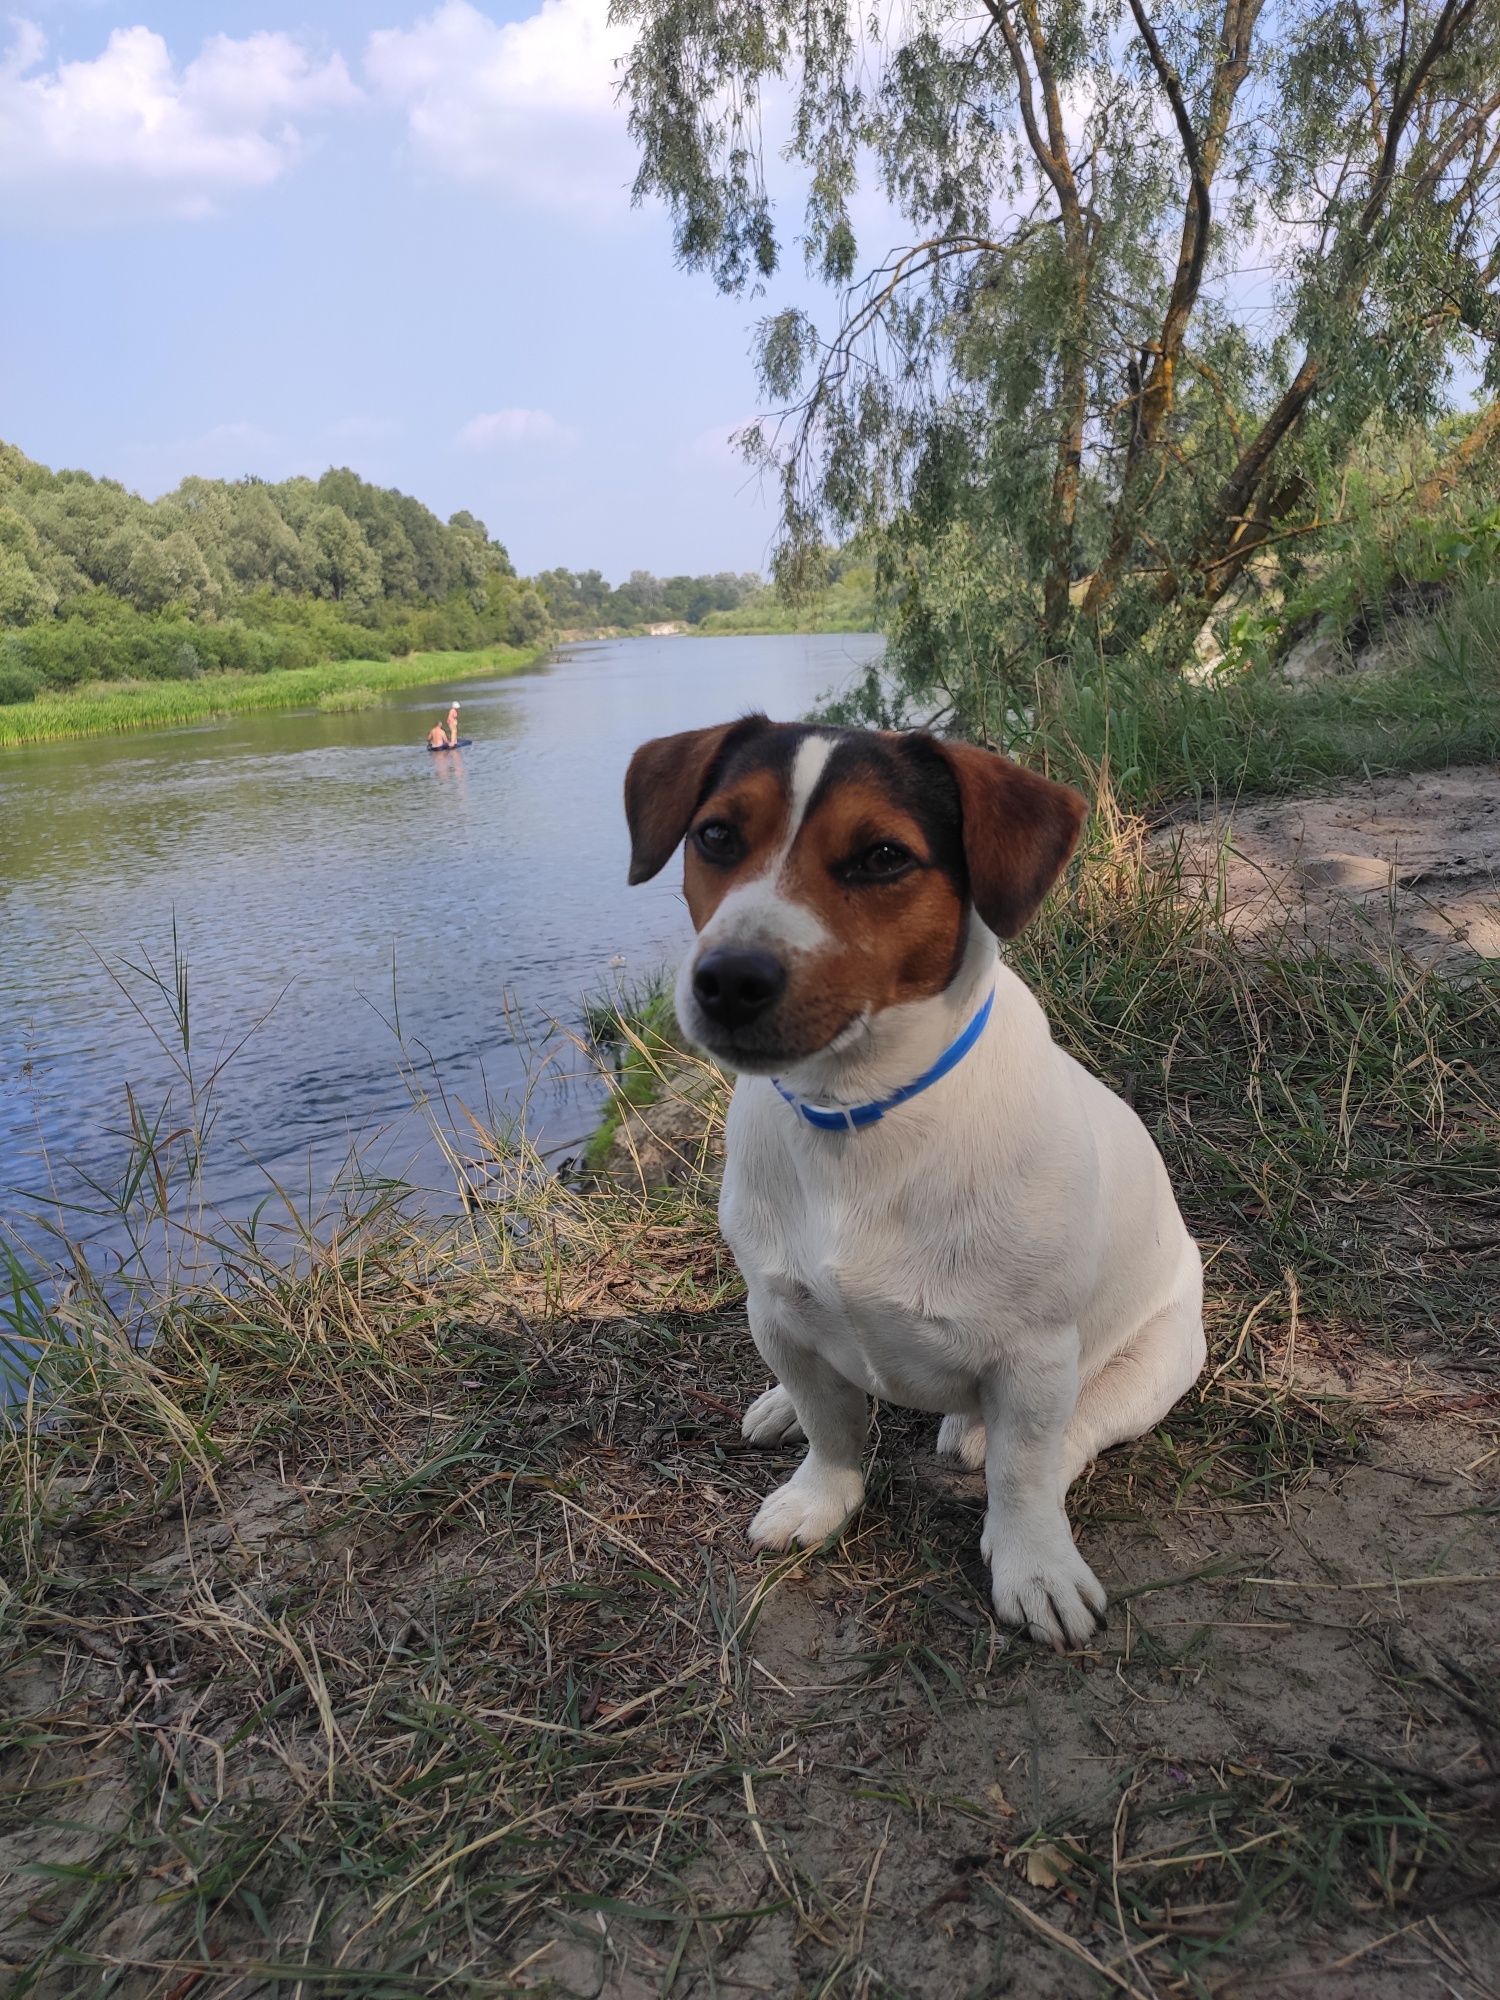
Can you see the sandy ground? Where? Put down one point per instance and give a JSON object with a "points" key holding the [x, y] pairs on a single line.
{"points": [[1411, 861], [1248, 1651]]}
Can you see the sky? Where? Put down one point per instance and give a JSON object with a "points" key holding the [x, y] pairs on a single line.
{"points": [[269, 236]]}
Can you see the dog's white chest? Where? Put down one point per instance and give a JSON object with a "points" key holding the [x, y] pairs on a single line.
{"points": [[841, 1281]]}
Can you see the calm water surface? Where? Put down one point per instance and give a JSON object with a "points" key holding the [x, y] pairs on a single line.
{"points": [[348, 908]]}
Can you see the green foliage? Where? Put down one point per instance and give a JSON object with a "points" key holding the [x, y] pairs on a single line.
{"points": [[18, 682], [345, 701], [242, 576], [846, 603], [582, 599], [97, 584], [1054, 417], [1166, 738], [638, 1030]]}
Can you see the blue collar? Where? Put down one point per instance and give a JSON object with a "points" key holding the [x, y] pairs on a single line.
{"points": [[856, 1116]]}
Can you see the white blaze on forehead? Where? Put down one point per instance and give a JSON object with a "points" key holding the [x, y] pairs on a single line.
{"points": [[811, 760], [760, 912]]}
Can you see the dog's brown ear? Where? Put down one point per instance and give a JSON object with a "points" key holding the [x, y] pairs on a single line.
{"points": [[664, 782], [1019, 829]]}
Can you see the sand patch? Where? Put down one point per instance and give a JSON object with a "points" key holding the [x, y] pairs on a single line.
{"points": [[1409, 862]]}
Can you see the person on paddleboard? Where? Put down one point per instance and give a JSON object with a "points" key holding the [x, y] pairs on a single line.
{"points": [[444, 736]]}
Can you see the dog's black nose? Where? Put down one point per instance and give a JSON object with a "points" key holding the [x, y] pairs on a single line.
{"points": [[736, 987]]}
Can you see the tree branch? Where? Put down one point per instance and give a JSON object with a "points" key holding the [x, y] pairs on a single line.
{"points": [[1217, 558], [1481, 434], [1156, 393], [1049, 166]]}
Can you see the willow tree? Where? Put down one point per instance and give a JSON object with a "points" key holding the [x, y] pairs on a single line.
{"points": [[1143, 272]]}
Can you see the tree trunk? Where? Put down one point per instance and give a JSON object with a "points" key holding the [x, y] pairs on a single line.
{"points": [[1072, 404], [1202, 158], [1050, 150], [1482, 433]]}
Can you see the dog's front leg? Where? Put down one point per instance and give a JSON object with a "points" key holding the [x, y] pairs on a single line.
{"points": [[1038, 1579], [828, 1485]]}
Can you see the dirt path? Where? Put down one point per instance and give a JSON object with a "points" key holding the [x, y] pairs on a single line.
{"points": [[1411, 861]]}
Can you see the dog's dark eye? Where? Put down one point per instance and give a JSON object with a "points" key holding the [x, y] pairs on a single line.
{"points": [[881, 863], [717, 841]]}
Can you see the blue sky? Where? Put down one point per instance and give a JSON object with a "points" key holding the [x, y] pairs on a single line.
{"points": [[266, 237]]}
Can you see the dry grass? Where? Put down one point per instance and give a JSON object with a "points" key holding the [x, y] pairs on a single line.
{"points": [[391, 1630]]}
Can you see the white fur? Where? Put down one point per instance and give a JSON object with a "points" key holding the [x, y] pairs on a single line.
{"points": [[1004, 1250]]}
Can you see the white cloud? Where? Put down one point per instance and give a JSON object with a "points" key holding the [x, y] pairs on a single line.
{"points": [[524, 108], [229, 450], [127, 134], [717, 446], [224, 451], [503, 430]]}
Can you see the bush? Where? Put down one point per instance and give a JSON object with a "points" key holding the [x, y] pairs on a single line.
{"points": [[346, 701], [18, 680]]}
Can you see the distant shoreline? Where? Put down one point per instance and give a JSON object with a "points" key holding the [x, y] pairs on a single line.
{"points": [[719, 625], [106, 708], [109, 708]]}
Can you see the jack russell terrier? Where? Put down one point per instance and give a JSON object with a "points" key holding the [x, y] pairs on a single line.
{"points": [[929, 1201]]}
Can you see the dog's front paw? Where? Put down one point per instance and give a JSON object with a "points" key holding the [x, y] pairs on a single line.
{"points": [[771, 1418], [1042, 1586], [962, 1438], [812, 1505]]}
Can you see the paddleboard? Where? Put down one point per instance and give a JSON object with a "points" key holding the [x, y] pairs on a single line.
{"points": [[462, 744]]}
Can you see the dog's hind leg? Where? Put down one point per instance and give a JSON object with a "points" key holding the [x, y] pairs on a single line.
{"points": [[771, 1418], [962, 1438], [1130, 1395], [1136, 1388]]}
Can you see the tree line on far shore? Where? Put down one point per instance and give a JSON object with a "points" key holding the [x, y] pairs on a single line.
{"points": [[97, 584]]}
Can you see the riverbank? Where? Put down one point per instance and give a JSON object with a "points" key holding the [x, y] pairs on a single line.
{"points": [[394, 1628], [848, 604], [105, 707]]}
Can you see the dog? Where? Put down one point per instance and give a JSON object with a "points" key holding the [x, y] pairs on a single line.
{"points": [[928, 1199]]}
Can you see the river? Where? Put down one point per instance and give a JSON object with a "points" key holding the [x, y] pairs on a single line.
{"points": [[363, 925]]}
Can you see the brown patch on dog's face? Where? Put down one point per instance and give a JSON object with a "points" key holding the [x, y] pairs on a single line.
{"points": [[830, 875], [753, 805], [884, 879]]}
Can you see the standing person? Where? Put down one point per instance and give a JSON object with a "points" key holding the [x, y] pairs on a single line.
{"points": [[444, 736]]}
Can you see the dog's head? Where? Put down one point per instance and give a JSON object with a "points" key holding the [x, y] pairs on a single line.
{"points": [[830, 873]]}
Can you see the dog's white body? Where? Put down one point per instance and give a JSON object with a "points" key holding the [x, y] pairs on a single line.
{"points": [[1002, 1247], [1004, 1250]]}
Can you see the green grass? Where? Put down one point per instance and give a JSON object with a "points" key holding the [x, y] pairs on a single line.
{"points": [[637, 1032], [391, 1630], [1170, 740], [348, 701], [107, 706]]}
